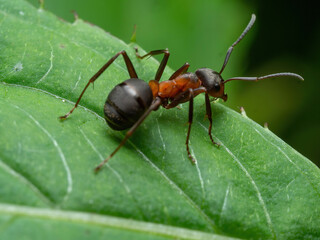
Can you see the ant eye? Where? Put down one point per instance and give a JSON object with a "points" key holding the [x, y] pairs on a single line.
{"points": [[216, 87]]}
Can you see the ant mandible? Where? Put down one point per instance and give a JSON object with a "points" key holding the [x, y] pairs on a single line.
{"points": [[131, 101]]}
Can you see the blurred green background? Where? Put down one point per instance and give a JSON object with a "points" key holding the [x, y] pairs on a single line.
{"points": [[285, 37]]}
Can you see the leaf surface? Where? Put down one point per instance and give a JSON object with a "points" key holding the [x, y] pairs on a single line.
{"points": [[252, 186]]}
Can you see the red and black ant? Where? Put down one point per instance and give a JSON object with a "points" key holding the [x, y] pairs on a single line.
{"points": [[131, 101]]}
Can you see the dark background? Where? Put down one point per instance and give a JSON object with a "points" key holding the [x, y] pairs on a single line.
{"points": [[285, 37]]}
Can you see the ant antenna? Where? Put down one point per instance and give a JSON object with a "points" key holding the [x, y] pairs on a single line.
{"points": [[265, 77], [245, 31]]}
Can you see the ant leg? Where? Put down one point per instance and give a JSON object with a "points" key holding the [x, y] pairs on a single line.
{"points": [[162, 64], [209, 115], [190, 123], [154, 106], [180, 71], [185, 96], [131, 71]]}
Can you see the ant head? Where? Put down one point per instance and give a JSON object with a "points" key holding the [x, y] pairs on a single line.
{"points": [[212, 82]]}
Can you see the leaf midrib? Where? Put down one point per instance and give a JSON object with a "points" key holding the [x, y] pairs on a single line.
{"points": [[108, 221]]}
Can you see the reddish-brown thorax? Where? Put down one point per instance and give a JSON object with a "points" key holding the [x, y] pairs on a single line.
{"points": [[171, 88]]}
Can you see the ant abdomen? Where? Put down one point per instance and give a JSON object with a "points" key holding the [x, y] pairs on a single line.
{"points": [[126, 103]]}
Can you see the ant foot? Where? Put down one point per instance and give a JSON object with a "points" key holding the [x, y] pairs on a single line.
{"points": [[193, 161], [137, 53], [62, 118]]}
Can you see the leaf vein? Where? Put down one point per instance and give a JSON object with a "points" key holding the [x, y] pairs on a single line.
{"points": [[116, 173], [76, 85], [289, 159], [161, 138], [56, 145], [26, 181], [224, 204], [199, 173], [261, 201], [107, 165], [50, 67], [176, 187]]}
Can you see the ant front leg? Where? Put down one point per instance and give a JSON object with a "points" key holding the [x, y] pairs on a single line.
{"points": [[131, 71], [163, 63], [209, 115]]}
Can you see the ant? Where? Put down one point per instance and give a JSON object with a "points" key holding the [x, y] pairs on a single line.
{"points": [[131, 101]]}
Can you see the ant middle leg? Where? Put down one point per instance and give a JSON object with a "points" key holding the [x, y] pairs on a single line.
{"points": [[186, 96], [130, 68], [163, 63]]}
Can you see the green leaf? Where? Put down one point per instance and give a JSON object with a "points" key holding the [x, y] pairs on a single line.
{"points": [[254, 186]]}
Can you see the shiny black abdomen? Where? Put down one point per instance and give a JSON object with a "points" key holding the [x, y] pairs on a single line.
{"points": [[126, 103]]}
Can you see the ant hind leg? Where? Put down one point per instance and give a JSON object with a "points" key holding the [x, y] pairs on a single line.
{"points": [[130, 68], [163, 63]]}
